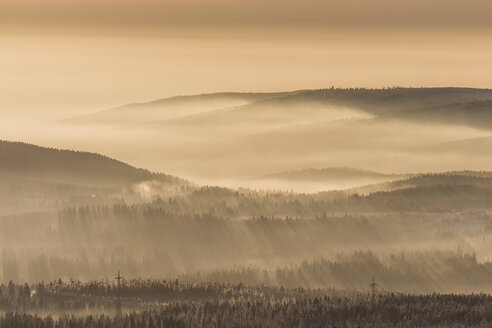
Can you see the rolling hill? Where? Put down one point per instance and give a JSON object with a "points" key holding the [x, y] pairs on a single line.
{"points": [[37, 178], [27, 161]]}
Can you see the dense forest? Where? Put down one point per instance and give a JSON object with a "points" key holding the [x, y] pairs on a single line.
{"points": [[420, 233], [39, 179], [209, 256], [437, 251], [245, 164], [173, 304]]}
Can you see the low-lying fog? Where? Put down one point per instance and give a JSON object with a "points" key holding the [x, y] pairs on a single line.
{"points": [[77, 215], [244, 144]]}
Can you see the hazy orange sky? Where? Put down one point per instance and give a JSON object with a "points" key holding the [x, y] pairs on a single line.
{"points": [[62, 58]]}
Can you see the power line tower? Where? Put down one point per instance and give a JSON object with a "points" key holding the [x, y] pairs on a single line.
{"points": [[118, 295], [373, 286]]}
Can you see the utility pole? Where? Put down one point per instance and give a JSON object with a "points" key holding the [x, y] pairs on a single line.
{"points": [[373, 286], [118, 296]]}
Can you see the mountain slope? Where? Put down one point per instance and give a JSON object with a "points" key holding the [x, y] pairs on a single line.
{"points": [[42, 179], [27, 161]]}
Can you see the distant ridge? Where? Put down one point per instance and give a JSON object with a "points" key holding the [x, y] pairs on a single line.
{"points": [[451, 105], [477, 179], [331, 173]]}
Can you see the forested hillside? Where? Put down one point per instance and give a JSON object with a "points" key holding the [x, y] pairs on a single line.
{"points": [[72, 167], [265, 237], [38, 178]]}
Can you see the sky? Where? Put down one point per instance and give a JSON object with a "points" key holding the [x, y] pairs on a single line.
{"points": [[64, 58]]}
